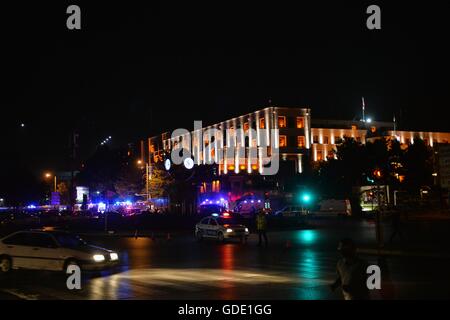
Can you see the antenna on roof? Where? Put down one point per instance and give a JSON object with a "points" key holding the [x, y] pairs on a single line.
{"points": [[363, 110], [395, 126]]}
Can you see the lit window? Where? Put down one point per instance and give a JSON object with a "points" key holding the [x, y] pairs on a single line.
{"points": [[325, 140], [246, 126], [216, 186], [315, 139], [373, 129], [301, 141], [353, 127], [283, 141], [262, 123], [319, 156], [300, 122], [281, 122]]}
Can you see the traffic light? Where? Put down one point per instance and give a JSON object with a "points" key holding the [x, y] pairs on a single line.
{"points": [[306, 198]]}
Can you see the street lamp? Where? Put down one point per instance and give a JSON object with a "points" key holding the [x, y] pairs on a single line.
{"points": [[147, 178], [48, 176]]}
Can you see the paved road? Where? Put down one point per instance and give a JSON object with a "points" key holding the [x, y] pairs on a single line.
{"points": [[297, 265]]}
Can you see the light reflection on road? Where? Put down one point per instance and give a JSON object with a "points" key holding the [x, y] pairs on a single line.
{"points": [[118, 286]]}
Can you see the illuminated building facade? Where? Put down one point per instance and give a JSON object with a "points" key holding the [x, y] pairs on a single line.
{"points": [[249, 131], [299, 139]]}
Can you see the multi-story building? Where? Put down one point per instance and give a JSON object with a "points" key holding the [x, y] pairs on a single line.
{"points": [[327, 134], [298, 140], [291, 138]]}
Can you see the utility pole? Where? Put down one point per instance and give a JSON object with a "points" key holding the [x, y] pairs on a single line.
{"points": [[147, 182], [73, 155], [378, 227]]}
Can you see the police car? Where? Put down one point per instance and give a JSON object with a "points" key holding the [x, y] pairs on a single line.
{"points": [[51, 250], [221, 227]]}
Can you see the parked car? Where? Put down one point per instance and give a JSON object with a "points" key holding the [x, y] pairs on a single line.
{"points": [[51, 250], [291, 212], [332, 207], [19, 218]]}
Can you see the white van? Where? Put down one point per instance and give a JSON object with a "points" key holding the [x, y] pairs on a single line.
{"points": [[333, 207]]}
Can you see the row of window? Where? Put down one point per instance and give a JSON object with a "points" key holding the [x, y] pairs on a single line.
{"points": [[320, 155], [284, 141], [213, 187], [337, 140], [282, 122]]}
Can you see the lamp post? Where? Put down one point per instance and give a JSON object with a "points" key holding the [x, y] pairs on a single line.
{"points": [[379, 231], [48, 176], [147, 178]]}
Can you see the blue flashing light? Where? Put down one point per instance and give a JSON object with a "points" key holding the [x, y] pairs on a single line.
{"points": [[215, 214]]}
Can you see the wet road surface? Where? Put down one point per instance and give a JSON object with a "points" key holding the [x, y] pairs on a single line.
{"points": [[297, 264]]}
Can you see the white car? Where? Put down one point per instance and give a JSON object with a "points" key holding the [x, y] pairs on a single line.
{"points": [[220, 228], [51, 250]]}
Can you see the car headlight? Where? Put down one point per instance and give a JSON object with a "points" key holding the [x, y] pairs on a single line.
{"points": [[246, 229], [229, 230], [99, 258], [114, 256]]}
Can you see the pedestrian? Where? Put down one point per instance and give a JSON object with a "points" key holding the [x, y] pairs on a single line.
{"points": [[396, 226], [352, 273], [261, 227]]}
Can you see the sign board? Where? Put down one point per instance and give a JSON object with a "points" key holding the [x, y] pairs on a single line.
{"points": [[81, 191]]}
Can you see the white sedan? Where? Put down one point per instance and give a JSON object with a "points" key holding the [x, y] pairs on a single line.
{"points": [[220, 228], [51, 250]]}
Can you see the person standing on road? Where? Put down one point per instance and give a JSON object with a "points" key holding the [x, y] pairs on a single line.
{"points": [[261, 227], [352, 273]]}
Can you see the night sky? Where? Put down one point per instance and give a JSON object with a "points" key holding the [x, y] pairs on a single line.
{"points": [[134, 71]]}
